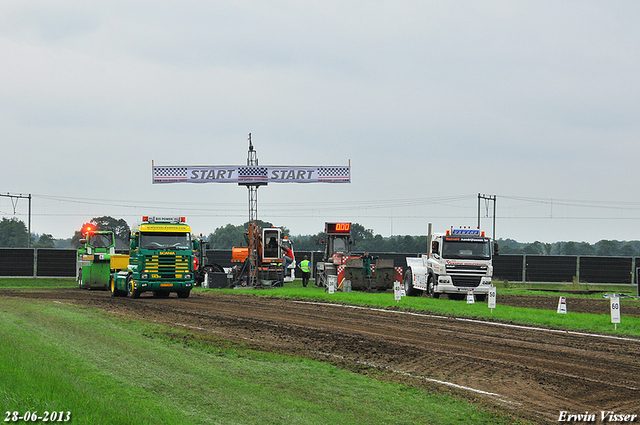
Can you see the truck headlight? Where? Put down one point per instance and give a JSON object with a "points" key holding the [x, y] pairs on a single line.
{"points": [[144, 276]]}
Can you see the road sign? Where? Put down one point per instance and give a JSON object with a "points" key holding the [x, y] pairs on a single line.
{"points": [[397, 291], [615, 309], [492, 297]]}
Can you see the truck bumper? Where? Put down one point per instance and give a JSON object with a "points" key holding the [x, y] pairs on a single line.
{"points": [[145, 285], [445, 285]]}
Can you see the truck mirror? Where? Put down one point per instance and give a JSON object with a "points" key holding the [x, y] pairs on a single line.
{"points": [[196, 244], [133, 242], [82, 241], [435, 246], [496, 248]]}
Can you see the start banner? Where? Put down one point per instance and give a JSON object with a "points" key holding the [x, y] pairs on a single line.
{"points": [[251, 174]]}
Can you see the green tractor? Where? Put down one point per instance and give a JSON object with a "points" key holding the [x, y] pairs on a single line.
{"points": [[94, 258]]}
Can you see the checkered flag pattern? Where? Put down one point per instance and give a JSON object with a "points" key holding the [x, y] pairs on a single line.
{"points": [[252, 174], [169, 174], [334, 173]]}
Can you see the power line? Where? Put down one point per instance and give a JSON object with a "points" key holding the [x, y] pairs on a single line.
{"points": [[17, 197]]}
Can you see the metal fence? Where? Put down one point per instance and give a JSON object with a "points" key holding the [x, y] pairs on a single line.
{"points": [[41, 262], [557, 268], [47, 262]]}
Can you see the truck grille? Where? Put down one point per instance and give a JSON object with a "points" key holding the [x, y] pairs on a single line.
{"points": [[466, 275], [466, 281], [167, 266]]}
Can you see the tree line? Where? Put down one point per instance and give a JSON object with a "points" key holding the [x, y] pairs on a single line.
{"points": [[14, 234], [603, 248]]}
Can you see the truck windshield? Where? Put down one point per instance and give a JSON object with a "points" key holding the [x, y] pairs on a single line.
{"points": [[154, 240], [99, 240], [339, 245], [471, 249]]}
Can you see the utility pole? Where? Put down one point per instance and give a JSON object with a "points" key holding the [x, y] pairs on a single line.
{"points": [[488, 198], [16, 197]]}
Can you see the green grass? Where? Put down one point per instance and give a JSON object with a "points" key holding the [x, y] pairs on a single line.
{"points": [[601, 323], [109, 370], [528, 287], [41, 282]]}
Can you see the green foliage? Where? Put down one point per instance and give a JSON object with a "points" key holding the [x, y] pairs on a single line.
{"points": [[105, 223], [535, 248], [231, 236], [227, 237], [603, 248], [119, 226], [45, 241], [13, 233]]}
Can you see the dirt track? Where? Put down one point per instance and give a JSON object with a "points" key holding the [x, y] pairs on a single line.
{"points": [[533, 374]]}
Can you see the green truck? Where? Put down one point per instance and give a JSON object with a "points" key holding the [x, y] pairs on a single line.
{"points": [[160, 260], [95, 257]]}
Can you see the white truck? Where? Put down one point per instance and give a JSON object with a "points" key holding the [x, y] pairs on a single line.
{"points": [[459, 262]]}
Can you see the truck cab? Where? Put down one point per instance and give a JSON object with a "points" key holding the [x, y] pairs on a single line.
{"points": [[460, 261], [160, 259]]}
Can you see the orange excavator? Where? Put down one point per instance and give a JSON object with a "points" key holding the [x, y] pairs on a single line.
{"points": [[259, 264]]}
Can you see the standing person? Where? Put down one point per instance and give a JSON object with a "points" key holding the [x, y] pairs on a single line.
{"points": [[366, 264], [305, 267], [286, 259]]}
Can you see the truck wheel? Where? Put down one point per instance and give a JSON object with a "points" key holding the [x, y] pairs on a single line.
{"points": [[132, 293], [112, 287], [184, 293], [408, 284], [430, 291]]}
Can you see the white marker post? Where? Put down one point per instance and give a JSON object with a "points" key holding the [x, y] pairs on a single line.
{"points": [[397, 291], [615, 310], [562, 305], [470, 298], [332, 283], [492, 298]]}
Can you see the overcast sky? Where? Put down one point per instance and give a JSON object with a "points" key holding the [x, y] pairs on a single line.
{"points": [[431, 102]]}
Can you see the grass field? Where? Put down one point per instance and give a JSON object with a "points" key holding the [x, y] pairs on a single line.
{"points": [[102, 369], [41, 282], [108, 370]]}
